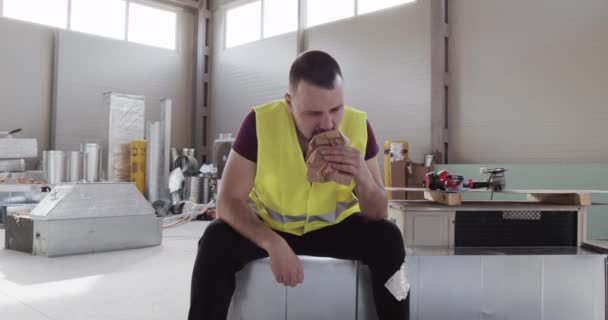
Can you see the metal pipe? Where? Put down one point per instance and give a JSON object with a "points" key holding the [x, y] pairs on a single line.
{"points": [[91, 161], [55, 166], [153, 161], [74, 166]]}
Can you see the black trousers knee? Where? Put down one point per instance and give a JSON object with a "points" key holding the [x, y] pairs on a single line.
{"points": [[222, 252]]}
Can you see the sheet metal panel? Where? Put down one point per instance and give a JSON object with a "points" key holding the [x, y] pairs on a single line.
{"points": [[511, 287], [327, 293], [257, 296], [573, 287]]}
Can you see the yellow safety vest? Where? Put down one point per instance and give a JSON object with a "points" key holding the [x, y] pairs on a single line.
{"points": [[284, 198]]}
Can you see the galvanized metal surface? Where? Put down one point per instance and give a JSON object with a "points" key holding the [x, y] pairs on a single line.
{"points": [[166, 108], [77, 236], [92, 200], [74, 172], [12, 165], [17, 148], [92, 153], [562, 286], [91, 217], [329, 291], [257, 296], [153, 161], [55, 166]]}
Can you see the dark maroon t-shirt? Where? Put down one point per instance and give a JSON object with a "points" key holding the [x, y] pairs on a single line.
{"points": [[246, 142]]}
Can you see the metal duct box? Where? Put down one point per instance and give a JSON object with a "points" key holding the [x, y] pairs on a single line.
{"points": [[85, 218], [14, 148]]}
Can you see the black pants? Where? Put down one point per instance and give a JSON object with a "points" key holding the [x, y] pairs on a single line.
{"points": [[222, 252]]}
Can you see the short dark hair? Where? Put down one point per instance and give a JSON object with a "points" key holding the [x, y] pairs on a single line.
{"points": [[315, 67]]}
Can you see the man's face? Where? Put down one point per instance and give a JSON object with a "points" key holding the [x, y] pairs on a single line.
{"points": [[316, 109]]}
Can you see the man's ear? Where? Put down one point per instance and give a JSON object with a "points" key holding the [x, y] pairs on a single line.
{"points": [[288, 102]]}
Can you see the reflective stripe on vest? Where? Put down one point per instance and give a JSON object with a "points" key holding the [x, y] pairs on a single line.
{"points": [[326, 217]]}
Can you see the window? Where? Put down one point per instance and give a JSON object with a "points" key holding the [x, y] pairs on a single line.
{"points": [[49, 12], [266, 18], [366, 6], [280, 16], [152, 26], [104, 18], [323, 11], [243, 24]]}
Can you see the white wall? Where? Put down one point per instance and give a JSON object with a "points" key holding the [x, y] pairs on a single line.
{"points": [[26, 56], [37, 62], [386, 62], [528, 81], [246, 76], [88, 66], [385, 58]]}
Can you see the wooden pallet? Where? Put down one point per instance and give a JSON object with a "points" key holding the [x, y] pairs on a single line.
{"points": [[565, 197], [447, 198]]}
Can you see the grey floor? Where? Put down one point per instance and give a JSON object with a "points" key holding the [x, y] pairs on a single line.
{"points": [[148, 283]]}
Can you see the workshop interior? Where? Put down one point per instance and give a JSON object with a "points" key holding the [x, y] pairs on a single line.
{"points": [[118, 117]]}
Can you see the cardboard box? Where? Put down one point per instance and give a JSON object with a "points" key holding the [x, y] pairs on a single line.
{"points": [[415, 179], [398, 179]]}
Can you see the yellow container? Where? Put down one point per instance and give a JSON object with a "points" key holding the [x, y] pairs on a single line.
{"points": [[387, 158], [138, 164]]}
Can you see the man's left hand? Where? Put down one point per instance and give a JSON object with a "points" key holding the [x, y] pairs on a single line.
{"points": [[348, 160]]}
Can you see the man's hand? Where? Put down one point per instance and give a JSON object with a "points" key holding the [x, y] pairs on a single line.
{"points": [[286, 266], [348, 160]]}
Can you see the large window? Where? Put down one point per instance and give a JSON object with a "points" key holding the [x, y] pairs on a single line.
{"points": [[104, 18], [244, 24], [366, 6], [280, 16], [323, 11], [266, 18], [152, 26], [48, 12]]}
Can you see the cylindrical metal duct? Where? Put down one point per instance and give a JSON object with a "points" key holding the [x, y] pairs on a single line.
{"points": [[44, 161], [192, 189], [187, 163], [153, 161], [205, 193], [74, 166], [12, 165], [55, 163], [91, 161]]}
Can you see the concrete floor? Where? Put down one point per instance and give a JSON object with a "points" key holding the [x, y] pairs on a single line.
{"points": [[148, 283]]}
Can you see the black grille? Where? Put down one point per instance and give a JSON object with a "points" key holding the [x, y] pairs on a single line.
{"points": [[515, 228]]}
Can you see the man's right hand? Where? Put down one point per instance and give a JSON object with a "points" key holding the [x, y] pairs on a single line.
{"points": [[286, 266]]}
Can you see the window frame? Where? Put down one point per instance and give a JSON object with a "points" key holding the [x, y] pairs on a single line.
{"points": [[124, 35], [237, 4], [156, 5], [149, 3], [302, 17], [65, 27]]}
